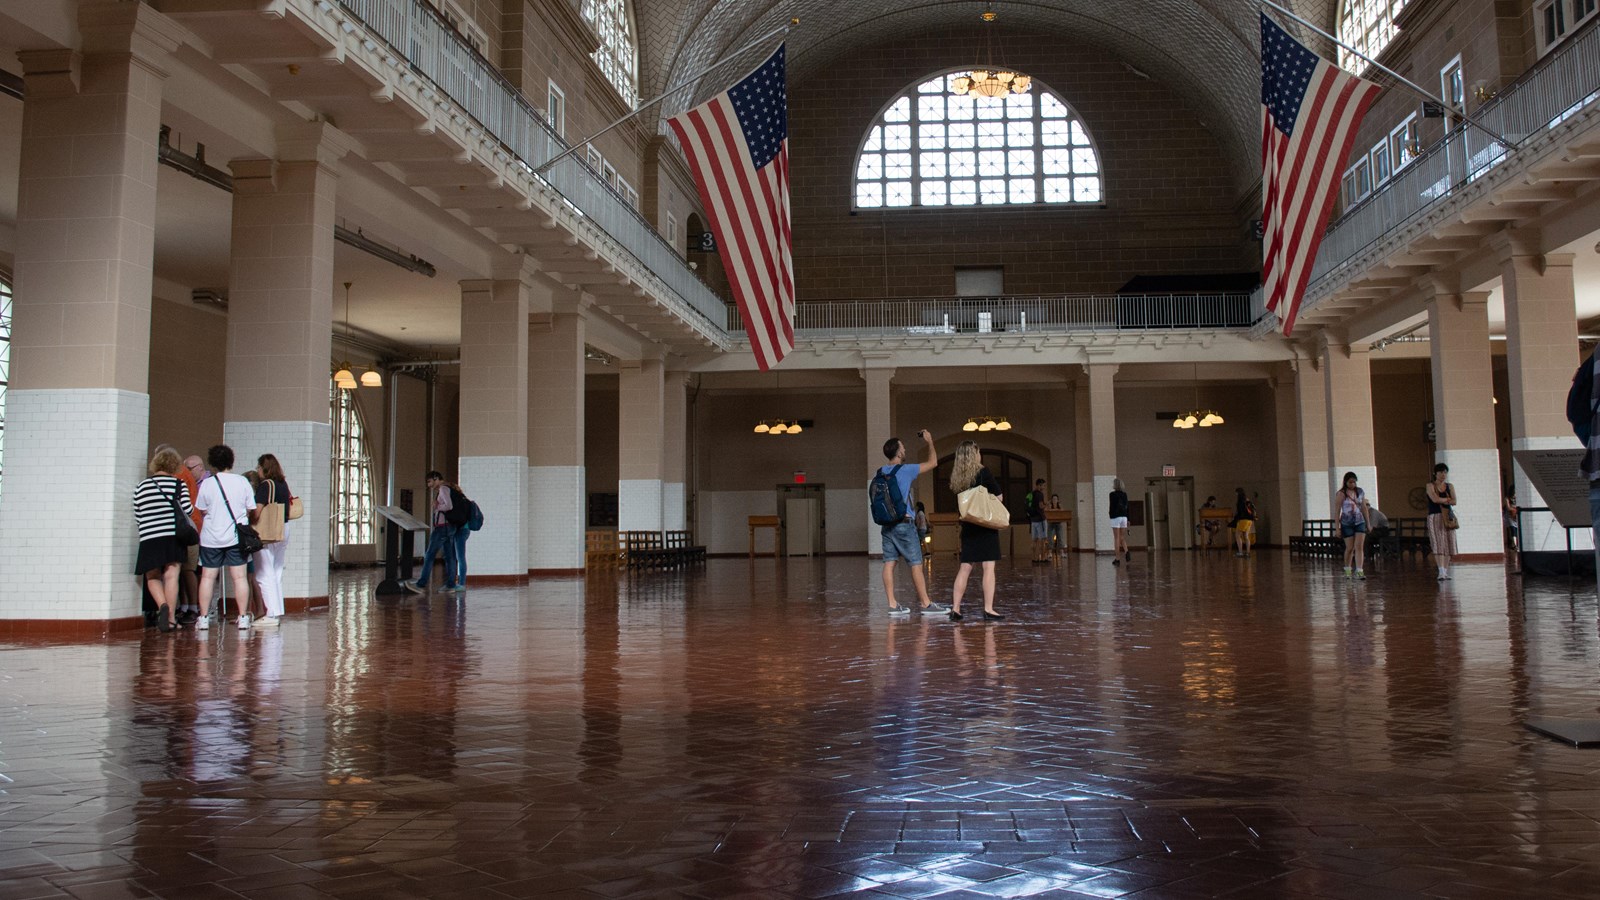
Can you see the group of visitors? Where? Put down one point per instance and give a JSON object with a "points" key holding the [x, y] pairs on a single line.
{"points": [[1357, 518], [198, 520]]}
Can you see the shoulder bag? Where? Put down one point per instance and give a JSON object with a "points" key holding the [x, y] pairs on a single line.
{"points": [[269, 523], [1450, 520], [182, 526], [978, 506], [249, 542]]}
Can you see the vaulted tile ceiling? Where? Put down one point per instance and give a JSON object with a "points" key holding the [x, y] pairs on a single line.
{"points": [[1205, 50]]}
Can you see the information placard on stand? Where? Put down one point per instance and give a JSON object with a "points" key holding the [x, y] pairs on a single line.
{"points": [[399, 548], [1555, 476]]}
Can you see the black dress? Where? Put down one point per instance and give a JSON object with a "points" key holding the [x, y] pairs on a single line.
{"points": [[980, 544]]}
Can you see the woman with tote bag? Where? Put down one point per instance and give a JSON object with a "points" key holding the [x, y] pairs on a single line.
{"points": [[980, 543]]}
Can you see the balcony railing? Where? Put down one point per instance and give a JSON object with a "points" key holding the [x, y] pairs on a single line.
{"points": [[1559, 87], [414, 31], [1014, 315]]}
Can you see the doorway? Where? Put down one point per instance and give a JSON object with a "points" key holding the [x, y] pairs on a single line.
{"points": [[1169, 512], [802, 521]]}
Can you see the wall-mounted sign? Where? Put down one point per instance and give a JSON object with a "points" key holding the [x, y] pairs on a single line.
{"points": [[800, 477], [1169, 471], [704, 242]]}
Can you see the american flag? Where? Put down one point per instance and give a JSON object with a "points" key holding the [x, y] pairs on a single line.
{"points": [[1310, 110], [738, 149]]}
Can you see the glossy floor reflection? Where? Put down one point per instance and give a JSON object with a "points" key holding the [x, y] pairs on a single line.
{"points": [[1178, 727]]}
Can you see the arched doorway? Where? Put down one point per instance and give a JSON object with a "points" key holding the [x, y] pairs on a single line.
{"points": [[1013, 470]]}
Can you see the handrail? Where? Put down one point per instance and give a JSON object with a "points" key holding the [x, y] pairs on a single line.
{"points": [[1553, 90], [416, 33], [1046, 313]]}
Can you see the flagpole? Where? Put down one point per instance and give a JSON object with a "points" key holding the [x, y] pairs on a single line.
{"points": [[1398, 77], [693, 79]]}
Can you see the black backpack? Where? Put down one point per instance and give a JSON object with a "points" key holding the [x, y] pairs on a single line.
{"points": [[460, 508], [1580, 400], [883, 495]]}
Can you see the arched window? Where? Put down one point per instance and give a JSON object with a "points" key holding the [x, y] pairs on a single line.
{"points": [[618, 56], [350, 517], [932, 148], [1368, 26]]}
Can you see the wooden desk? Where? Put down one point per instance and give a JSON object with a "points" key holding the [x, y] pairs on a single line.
{"points": [[1222, 517], [763, 522], [1060, 521]]}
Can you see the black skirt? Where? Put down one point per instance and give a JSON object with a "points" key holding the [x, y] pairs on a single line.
{"points": [[979, 544], [158, 553]]}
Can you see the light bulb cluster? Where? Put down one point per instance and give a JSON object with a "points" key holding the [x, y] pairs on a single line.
{"points": [[345, 379], [779, 426], [987, 423], [1198, 418], [990, 84]]}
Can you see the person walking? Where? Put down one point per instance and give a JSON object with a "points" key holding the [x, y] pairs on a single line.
{"points": [[1442, 519], [900, 541], [1353, 512], [441, 540], [226, 500], [158, 502], [1119, 523], [269, 562], [979, 545], [1243, 525]]}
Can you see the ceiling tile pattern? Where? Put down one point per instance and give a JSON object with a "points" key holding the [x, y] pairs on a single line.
{"points": [[1206, 50]]}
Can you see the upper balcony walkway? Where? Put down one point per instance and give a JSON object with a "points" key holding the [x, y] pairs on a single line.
{"points": [[1436, 211]]}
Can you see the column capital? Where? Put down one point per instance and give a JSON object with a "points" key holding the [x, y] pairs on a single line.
{"points": [[1555, 261], [1328, 346], [132, 28], [1509, 243], [1439, 284], [1472, 300], [317, 142], [51, 73], [1093, 368], [515, 267]]}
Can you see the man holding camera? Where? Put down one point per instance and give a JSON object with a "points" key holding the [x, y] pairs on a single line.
{"points": [[900, 541]]}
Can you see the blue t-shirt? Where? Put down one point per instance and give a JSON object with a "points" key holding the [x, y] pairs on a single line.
{"points": [[907, 474]]}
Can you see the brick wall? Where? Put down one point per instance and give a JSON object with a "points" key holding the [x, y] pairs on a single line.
{"points": [[1169, 204]]}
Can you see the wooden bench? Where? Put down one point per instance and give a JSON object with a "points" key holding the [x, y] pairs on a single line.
{"points": [[1318, 537], [1409, 536], [655, 550], [682, 551]]}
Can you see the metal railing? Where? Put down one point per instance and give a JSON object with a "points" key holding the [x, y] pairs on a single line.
{"points": [[1557, 88], [1014, 315], [434, 50]]}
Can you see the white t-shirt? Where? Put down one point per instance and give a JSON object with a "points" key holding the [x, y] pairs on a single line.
{"points": [[217, 530]]}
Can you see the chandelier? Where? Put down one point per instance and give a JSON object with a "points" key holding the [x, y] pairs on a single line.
{"points": [[1197, 417], [987, 423], [343, 378], [779, 426], [987, 79]]}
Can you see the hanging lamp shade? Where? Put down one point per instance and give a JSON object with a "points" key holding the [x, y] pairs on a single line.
{"points": [[371, 378], [761, 428], [970, 426], [1003, 425]]}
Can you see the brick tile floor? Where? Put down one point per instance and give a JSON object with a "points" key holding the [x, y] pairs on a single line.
{"points": [[1175, 728]]}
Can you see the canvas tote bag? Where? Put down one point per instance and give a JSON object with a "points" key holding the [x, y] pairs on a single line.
{"points": [[978, 506]]}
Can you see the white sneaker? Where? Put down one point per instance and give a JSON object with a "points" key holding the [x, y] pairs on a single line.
{"points": [[267, 622], [244, 622], [202, 624], [899, 611]]}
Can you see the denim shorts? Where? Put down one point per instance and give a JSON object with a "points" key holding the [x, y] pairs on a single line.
{"points": [[217, 557], [1351, 529], [1040, 530], [901, 542]]}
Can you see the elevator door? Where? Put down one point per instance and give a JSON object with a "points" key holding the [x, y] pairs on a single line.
{"points": [[802, 520], [1169, 508]]}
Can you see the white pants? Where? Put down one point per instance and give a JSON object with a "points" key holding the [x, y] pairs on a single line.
{"points": [[269, 573]]}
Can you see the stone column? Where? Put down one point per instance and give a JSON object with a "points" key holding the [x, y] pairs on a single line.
{"points": [[78, 406], [674, 450], [1541, 355], [1463, 403], [280, 334], [557, 480], [880, 427], [1348, 371], [1311, 395], [1286, 420], [641, 395], [1103, 447], [494, 418], [1083, 512]]}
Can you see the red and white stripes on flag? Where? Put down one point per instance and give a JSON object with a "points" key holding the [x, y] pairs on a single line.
{"points": [[1310, 110], [738, 150]]}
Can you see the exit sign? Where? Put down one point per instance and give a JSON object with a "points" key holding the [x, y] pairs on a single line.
{"points": [[800, 478]]}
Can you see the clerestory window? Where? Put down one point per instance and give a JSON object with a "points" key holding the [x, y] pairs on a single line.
{"points": [[1368, 26], [618, 56], [931, 148]]}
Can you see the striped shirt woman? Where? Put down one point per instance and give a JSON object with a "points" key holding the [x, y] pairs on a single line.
{"points": [[156, 502]]}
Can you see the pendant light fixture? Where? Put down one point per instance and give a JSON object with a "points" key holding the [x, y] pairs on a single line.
{"points": [[1197, 417], [343, 377], [778, 426], [987, 79], [986, 422]]}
